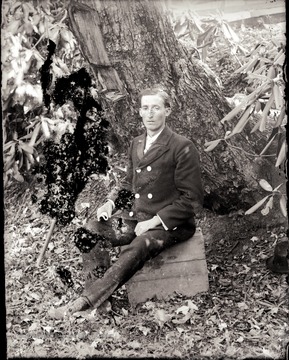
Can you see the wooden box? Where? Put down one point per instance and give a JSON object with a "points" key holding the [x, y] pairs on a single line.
{"points": [[181, 268]]}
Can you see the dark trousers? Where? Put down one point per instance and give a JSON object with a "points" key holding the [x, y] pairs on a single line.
{"points": [[137, 250]]}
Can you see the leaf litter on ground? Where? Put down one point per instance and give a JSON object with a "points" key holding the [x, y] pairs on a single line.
{"points": [[245, 313]]}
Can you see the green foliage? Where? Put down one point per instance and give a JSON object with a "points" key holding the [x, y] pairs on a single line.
{"points": [[26, 28], [260, 107], [269, 205], [263, 100], [203, 33], [28, 25]]}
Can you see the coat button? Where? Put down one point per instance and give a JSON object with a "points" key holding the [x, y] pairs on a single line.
{"points": [[131, 213], [138, 170], [150, 195], [149, 168], [137, 196]]}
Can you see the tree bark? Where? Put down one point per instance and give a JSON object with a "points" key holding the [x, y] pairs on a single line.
{"points": [[141, 50]]}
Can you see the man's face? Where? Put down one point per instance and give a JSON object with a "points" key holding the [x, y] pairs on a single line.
{"points": [[153, 113]]}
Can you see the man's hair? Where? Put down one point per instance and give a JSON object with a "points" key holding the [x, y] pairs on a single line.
{"points": [[157, 90]]}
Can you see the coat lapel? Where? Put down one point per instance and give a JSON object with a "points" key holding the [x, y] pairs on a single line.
{"points": [[158, 148], [140, 146]]}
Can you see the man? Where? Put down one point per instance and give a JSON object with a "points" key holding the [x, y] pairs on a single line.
{"points": [[164, 175]]}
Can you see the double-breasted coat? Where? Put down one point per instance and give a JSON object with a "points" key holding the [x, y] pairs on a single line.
{"points": [[166, 180]]}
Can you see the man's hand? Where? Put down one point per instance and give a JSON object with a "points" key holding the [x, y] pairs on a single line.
{"points": [[104, 211], [144, 226]]}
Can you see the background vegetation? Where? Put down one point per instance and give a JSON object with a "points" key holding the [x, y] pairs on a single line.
{"points": [[247, 63]]}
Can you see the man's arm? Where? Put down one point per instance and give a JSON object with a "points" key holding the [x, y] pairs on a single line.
{"points": [[188, 183], [187, 175], [146, 225]]}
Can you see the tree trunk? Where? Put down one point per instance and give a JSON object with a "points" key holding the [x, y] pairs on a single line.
{"points": [[130, 45]]}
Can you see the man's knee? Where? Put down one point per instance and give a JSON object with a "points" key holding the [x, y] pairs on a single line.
{"points": [[92, 226], [103, 228], [146, 244]]}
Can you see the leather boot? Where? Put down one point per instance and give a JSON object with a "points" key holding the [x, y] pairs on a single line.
{"points": [[80, 304]]}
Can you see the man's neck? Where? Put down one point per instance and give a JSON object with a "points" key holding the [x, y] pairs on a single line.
{"points": [[153, 133]]}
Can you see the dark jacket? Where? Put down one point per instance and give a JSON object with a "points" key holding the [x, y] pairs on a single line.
{"points": [[166, 180]]}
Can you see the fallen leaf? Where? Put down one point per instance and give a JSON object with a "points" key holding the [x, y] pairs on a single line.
{"points": [[242, 305], [82, 335], [183, 309], [83, 350], [231, 351], [27, 319], [96, 342], [59, 250], [274, 310], [254, 333], [90, 315], [40, 351], [162, 317], [117, 320], [183, 320], [177, 353], [85, 205], [224, 282], [145, 330], [35, 296], [268, 353], [17, 274], [47, 328], [149, 305], [191, 305], [80, 319], [254, 238], [33, 326], [112, 333], [217, 341], [134, 344], [38, 341], [51, 246], [247, 269], [116, 353], [222, 325], [240, 339], [124, 311]]}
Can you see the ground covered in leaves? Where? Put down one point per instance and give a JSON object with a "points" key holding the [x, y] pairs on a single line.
{"points": [[245, 313]]}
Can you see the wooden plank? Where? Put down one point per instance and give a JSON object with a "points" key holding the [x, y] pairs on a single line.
{"points": [[181, 268], [183, 251], [184, 269], [272, 11], [231, 10], [186, 284]]}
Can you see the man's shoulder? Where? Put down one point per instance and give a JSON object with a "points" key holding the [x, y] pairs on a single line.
{"points": [[181, 144], [138, 138], [180, 139]]}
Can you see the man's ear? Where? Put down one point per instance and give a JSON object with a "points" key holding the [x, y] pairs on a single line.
{"points": [[168, 111], [140, 112]]}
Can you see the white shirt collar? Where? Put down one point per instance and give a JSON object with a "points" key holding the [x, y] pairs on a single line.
{"points": [[151, 139]]}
